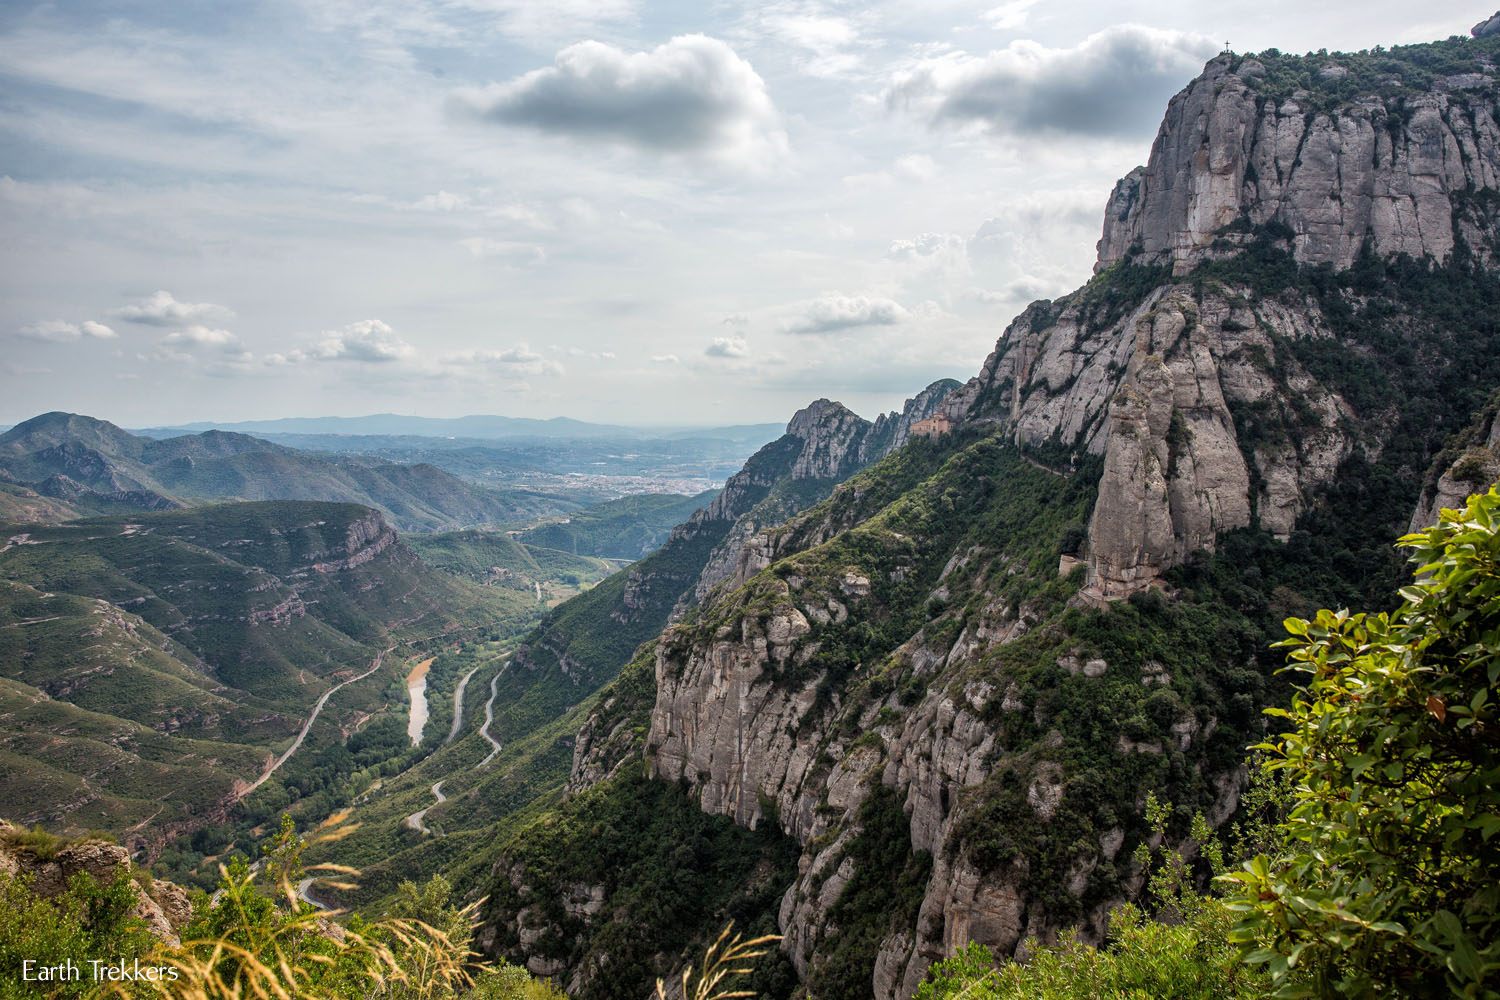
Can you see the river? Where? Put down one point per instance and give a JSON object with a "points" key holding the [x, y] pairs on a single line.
{"points": [[416, 686]]}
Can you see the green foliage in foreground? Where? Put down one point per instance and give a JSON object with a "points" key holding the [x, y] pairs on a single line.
{"points": [[250, 939], [1145, 958], [1389, 886], [88, 919]]}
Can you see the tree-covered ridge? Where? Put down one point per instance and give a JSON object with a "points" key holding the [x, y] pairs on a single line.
{"points": [[89, 466], [1401, 71]]}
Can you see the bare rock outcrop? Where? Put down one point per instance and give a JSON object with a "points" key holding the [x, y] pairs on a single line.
{"points": [[1392, 171]]}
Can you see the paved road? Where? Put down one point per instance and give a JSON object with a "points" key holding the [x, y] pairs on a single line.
{"points": [[458, 704], [414, 821], [489, 718], [304, 892], [311, 719]]}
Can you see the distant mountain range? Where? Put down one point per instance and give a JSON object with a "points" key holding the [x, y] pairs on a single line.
{"points": [[478, 427], [63, 464]]}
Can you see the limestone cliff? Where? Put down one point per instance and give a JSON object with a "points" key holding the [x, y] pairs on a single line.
{"points": [[1177, 347], [836, 444], [1391, 167]]}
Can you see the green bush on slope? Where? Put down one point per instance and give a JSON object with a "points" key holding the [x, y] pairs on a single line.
{"points": [[1389, 886]]}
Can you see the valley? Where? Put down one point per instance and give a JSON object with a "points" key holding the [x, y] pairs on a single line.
{"points": [[1156, 658]]}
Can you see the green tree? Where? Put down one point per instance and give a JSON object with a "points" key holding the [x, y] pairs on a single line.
{"points": [[1389, 883]]}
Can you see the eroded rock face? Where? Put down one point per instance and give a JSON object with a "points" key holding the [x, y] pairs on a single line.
{"points": [[1395, 173], [366, 538], [742, 739], [1156, 393]]}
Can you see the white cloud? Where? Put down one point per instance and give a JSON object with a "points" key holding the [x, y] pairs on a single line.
{"points": [[442, 201], [516, 361], [728, 347], [665, 359], [160, 308], [507, 251], [928, 246], [202, 336], [370, 341], [833, 313], [1010, 15], [691, 95], [58, 331], [827, 40], [1114, 82]]}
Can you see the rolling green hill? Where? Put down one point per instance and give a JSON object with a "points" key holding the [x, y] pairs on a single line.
{"points": [[195, 642]]}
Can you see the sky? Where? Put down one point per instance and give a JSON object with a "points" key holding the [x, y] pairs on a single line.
{"points": [[616, 210]]}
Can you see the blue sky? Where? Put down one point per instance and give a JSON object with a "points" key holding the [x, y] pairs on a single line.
{"points": [[609, 209]]}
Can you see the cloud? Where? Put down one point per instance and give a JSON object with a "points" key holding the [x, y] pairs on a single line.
{"points": [[928, 245], [161, 309], [442, 201], [508, 251], [202, 336], [1113, 83], [691, 95], [1026, 288], [1009, 15], [826, 39], [58, 331], [728, 347], [369, 341], [510, 362], [833, 313], [665, 359]]}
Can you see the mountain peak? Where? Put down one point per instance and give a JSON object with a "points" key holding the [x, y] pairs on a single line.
{"points": [[818, 413], [57, 427], [1332, 154]]}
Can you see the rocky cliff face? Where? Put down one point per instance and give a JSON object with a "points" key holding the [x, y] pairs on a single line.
{"points": [[1393, 169], [365, 538], [1162, 368], [1156, 392]]}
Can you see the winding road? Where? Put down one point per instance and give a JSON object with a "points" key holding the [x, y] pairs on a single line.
{"points": [[489, 718], [304, 892], [414, 821], [379, 658]]}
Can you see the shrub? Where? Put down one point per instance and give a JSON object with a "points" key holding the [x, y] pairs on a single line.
{"points": [[1388, 884]]}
